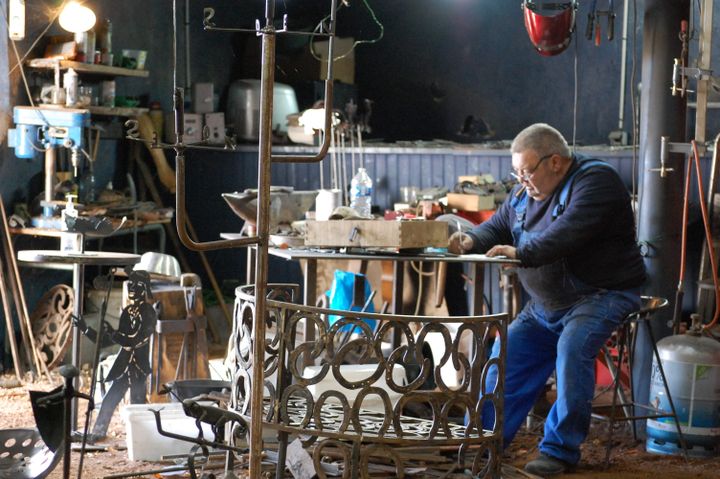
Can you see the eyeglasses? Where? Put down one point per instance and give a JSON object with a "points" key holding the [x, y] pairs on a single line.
{"points": [[525, 177]]}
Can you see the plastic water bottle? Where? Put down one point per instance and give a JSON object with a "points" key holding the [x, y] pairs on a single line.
{"points": [[361, 193]]}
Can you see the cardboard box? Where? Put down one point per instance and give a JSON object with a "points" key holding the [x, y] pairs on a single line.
{"points": [[466, 202], [377, 234]]}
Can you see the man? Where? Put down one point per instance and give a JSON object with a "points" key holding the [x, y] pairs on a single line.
{"points": [[571, 225]]}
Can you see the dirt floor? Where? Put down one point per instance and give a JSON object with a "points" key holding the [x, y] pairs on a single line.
{"points": [[628, 459]]}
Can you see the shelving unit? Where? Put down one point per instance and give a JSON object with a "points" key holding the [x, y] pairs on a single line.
{"points": [[49, 64], [116, 111], [96, 70]]}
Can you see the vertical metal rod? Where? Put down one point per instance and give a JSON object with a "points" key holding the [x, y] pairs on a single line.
{"points": [[50, 154], [623, 66], [78, 281], [187, 46], [267, 78], [703, 83]]}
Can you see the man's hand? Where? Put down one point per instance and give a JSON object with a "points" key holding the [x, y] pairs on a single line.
{"points": [[502, 250], [460, 243]]}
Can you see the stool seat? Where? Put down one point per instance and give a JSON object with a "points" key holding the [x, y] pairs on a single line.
{"points": [[620, 367]]}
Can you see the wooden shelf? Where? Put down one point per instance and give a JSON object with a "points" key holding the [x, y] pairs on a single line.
{"points": [[49, 64], [117, 111]]}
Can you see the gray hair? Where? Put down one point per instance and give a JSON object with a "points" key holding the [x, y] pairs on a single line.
{"points": [[543, 139]]}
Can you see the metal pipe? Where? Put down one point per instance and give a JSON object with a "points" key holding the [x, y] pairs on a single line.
{"points": [[267, 80], [328, 100], [187, 45], [181, 218], [50, 154], [661, 205], [703, 81], [623, 66]]}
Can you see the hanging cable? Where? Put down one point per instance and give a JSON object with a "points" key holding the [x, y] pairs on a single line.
{"points": [[319, 28], [708, 236], [683, 250], [39, 37]]}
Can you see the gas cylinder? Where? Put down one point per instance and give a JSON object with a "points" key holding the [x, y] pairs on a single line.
{"points": [[692, 367]]}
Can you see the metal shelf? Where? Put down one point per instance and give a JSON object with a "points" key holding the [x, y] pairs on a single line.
{"points": [[117, 111], [49, 64]]}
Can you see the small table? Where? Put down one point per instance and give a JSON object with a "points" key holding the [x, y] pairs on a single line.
{"points": [[131, 226], [78, 261]]}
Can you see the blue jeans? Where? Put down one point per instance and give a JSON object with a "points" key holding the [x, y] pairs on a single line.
{"points": [[567, 341]]}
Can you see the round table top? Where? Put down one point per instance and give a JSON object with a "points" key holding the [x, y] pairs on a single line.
{"points": [[86, 258]]}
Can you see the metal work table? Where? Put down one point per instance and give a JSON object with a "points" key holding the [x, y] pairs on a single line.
{"points": [[78, 261], [476, 277], [476, 261]]}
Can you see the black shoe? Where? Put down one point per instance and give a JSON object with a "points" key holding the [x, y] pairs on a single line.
{"points": [[546, 466]]}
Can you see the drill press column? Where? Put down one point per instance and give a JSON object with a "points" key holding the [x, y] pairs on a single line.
{"points": [[44, 129]]}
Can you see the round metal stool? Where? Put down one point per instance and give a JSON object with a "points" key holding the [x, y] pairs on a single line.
{"points": [[24, 455], [620, 367]]}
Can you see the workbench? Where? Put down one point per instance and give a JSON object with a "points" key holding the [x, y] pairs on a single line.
{"points": [[476, 263], [133, 227]]}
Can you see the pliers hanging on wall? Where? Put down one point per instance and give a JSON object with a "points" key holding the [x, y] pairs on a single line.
{"points": [[593, 26]]}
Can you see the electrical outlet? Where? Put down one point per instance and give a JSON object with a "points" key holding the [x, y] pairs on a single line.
{"points": [[16, 19]]}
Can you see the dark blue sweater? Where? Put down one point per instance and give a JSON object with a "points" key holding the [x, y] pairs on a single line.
{"points": [[595, 234]]}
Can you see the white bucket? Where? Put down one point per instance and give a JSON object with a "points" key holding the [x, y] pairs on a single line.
{"points": [[354, 373], [145, 443]]}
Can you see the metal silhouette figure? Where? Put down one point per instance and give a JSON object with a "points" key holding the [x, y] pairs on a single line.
{"points": [[132, 365]]}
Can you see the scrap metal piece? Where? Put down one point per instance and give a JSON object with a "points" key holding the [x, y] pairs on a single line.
{"points": [[52, 325], [132, 365]]}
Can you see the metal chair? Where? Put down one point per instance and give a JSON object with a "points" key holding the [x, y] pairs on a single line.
{"points": [[620, 367]]}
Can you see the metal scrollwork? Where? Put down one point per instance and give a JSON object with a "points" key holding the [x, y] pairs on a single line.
{"points": [[52, 324], [341, 393]]}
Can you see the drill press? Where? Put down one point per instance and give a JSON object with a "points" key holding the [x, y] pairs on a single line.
{"points": [[46, 129]]}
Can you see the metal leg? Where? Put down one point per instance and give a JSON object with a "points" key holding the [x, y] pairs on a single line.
{"points": [[310, 296], [397, 293], [617, 385], [78, 282], [477, 276]]}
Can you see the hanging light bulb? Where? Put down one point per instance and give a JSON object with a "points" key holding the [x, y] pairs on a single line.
{"points": [[76, 18]]}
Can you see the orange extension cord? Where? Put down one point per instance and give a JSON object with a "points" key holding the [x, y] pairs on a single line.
{"points": [[708, 233]]}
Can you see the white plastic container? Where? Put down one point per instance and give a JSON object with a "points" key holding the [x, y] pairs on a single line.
{"points": [[70, 82], [354, 373], [145, 443]]}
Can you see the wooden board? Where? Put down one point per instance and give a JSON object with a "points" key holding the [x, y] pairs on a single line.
{"points": [[377, 234], [466, 202]]}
